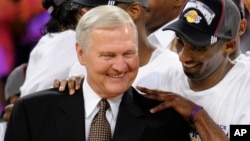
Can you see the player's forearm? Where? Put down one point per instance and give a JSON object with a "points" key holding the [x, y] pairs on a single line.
{"points": [[207, 128]]}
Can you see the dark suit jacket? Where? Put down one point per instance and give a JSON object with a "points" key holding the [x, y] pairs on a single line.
{"points": [[52, 116]]}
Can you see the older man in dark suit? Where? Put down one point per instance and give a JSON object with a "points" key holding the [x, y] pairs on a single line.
{"points": [[107, 45]]}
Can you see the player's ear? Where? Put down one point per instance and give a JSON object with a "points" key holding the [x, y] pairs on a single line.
{"points": [[80, 54]]}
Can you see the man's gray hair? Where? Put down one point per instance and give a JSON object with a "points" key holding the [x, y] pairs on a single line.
{"points": [[105, 16]]}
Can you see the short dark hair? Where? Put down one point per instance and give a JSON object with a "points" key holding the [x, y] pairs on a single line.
{"points": [[61, 19]]}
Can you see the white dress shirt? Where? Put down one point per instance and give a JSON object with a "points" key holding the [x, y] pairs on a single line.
{"points": [[91, 99]]}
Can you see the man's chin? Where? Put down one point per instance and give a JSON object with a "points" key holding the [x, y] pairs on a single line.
{"points": [[192, 76]]}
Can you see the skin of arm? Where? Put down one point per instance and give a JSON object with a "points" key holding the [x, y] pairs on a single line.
{"points": [[206, 127]]}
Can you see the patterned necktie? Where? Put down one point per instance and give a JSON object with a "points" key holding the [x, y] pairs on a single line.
{"points": [[100, 128]]}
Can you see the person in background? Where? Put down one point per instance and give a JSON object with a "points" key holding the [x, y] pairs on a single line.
{"points": [[107, 37], [14, 81], [12, 90], [162, 13], [12, 87], [243, 26], [245, 38], [53, 55]]}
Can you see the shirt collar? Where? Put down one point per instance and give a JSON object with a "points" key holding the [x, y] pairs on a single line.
{"points": [[91, 100]]}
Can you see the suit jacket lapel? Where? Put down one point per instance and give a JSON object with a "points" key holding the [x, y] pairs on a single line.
{"points": [[128, 126], [71, 124]]}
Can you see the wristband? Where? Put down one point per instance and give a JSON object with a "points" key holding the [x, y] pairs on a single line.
{"points": [[194, 111]]}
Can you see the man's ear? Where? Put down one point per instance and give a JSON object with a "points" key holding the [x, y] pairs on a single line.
{"points": [[84, 10], [230, 46], [243, 27], [134, 10], [80, 54]]}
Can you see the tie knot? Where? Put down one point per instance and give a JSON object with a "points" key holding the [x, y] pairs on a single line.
{"points": [[104, 105]]}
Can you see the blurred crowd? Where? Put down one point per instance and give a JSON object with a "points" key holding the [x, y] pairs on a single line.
{"points": [[21, 22]]}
